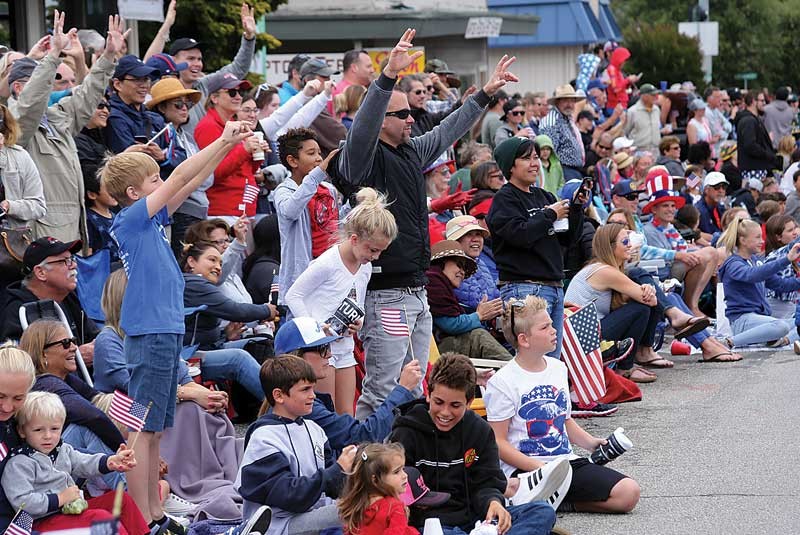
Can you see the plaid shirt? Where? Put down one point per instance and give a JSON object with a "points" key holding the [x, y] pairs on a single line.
{"points": [[568, 147]]}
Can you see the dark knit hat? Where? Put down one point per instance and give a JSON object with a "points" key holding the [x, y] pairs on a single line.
{"points": [[505, 153]]}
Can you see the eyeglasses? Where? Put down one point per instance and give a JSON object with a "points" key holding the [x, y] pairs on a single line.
{"points": [[180, 104], [233, 92], [249, 111], [68, 261], [539, 427], [66, 343], [324, 350], [517, 113], [102, 106], [145, 80], [400, 114], [604, 147], [515, 304], [719, 186], [429, 88], [418, 91], [221, 243], [675, 147]]}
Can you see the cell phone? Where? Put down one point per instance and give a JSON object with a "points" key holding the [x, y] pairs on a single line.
{"points": [[587, 185], [141, 139]]}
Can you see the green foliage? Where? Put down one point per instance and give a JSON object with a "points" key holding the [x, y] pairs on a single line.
{"points": [[659, 52], [217, 24]]}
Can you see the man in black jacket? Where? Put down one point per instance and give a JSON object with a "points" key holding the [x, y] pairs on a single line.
{"points": [[756, 155], [380, 153]]}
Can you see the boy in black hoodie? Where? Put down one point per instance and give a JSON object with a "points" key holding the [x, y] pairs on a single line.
{"points": [[455, 451]]}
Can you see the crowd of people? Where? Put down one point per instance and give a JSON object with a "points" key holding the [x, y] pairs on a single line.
{"points": [[377, 273]]}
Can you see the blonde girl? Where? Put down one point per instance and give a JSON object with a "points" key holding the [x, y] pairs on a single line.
{"points": [[343, 272], [370, 503], [745, 278]]}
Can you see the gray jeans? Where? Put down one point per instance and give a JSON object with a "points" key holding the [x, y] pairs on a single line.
{"points": [[386, 354], [313, 522]]}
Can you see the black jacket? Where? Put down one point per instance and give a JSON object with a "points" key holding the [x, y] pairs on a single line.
{"points": [[755, 152], [463, 461], [81, 325], [525, 245], [425, 121]]}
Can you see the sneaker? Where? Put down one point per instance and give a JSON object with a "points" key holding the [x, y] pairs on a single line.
{"points": [[183, 521], [555, 499], [594, 410], [618, 351], [171, 525], [671, 285], [543, 482], [258, 522], [175, 505]]}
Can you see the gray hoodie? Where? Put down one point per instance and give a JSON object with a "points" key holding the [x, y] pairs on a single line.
{"points": [[778, 116], [34, 479]]}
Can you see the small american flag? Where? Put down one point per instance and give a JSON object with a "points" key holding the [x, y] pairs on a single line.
{"points": [[581, 353], [274, 288], [105, 527], [692, 181], [250, 193], [394, 322], [127, 411], [21, 525], [3, 451]]}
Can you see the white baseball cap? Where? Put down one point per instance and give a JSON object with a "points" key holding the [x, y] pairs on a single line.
{"points": [[713, 178], [622, 143]]}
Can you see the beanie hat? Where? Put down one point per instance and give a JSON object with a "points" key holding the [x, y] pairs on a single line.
{"points": [[505, 152]]}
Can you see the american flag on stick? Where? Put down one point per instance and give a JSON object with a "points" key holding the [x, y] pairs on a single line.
{"points": [[127, 411], [250, 193], [692, 180], [3, 451], [394, 322], [21, 524], [581, 353]]}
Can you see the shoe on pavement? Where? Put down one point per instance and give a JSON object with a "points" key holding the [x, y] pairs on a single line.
{"points": [[594, 410], [543, 483], [177, 506], [618, 351], [796, 346]]}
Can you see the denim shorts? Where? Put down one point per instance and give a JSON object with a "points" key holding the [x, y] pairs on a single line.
{"points": [[153, 364]]}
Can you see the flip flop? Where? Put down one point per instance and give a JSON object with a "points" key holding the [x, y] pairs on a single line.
{"points": [[637, 375], [717, 360], [656, 363], [693, 326]]}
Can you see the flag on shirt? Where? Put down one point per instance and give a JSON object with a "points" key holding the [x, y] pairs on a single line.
{"points": [[127, 411], [3, 451], [250, 193], [21, 525], [394, 322], [105, 527], [581, 353]]}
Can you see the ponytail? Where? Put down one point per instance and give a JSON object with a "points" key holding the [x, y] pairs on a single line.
{"points": [[735, 230], [370, 217]]}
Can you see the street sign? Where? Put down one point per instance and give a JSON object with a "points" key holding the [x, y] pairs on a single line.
{"points": [[746, 76], [141, 10], [483, 27]]}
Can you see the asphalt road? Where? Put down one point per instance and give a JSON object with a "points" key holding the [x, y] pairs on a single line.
{"points": [[715, 451]]}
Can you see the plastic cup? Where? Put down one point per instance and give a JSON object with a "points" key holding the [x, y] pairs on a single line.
{"points": [[432, 527], [259, 155]]}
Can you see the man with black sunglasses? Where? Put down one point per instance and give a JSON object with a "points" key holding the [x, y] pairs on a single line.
{"points": [[380, 152], [51, 272]]}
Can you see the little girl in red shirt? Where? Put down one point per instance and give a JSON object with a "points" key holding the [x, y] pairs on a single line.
{"points": [[370, 503]]}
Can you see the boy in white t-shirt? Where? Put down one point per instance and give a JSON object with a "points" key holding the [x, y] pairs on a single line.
{"points": [[528, 407]]}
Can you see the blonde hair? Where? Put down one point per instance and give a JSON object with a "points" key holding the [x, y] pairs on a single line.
{"points": [[35, 337], [111, 301], [10, 126], [44, 405], [786, 145], [370, 217], [738, 228], [372, 464], [124, 170], [15, 361], [523, 316], [349, 100], [603, 244]]}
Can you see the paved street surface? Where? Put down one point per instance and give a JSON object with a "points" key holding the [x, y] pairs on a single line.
{"points": [[715, 451]]}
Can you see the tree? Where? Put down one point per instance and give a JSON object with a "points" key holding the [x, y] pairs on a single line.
{"points": [[215, 23], [659, 52]]}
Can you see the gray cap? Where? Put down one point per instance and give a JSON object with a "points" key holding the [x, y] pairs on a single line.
{"points": [[318, 67], [22, 68]]}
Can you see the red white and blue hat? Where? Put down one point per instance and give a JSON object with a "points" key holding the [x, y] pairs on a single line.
{"points": [[301, 333], [166, 64], [659, 188]]}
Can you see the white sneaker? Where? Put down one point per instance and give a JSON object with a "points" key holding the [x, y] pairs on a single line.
{"points": [[258, 522], [175, 505], [545, 483]]}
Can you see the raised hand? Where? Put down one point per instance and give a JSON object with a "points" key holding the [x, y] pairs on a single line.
{"points": [[116, 36], [312, 88], [235, 131], [328, 87], [169, 17], [74, 49], [501, 76], [39, 49], [399, 58], [59, 40], [248, 21]]}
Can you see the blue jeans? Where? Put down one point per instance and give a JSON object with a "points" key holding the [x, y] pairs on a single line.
{"points": [[631, 320], [83, 439], [234, 364], [386, 354], [533, 518], [555, 305], [752, 328], [153, 364]]}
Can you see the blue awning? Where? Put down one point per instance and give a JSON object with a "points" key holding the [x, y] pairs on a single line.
{"points": [[563, 22]]}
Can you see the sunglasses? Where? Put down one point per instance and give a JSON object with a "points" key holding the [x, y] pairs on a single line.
{"points": [[181, 104], [400, 114], [624, 241], [719, 186], [515, 304], [517, 113], [324, 350], [102, 106], [429, 88], [604, 147], [66, 343], [631, 196], [233, 92], [418, 91], [263, 88]]}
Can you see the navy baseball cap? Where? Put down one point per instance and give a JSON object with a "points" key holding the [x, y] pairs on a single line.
{"points": [[165, 64], [132, 66], [301, 333], [184, 43], [623, 187]]}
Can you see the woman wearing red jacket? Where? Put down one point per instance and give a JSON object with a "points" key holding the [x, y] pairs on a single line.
{"points": [[235, 190]]}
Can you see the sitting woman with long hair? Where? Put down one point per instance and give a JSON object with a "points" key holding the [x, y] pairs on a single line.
{"points": [[782, 231], [745, 278]]}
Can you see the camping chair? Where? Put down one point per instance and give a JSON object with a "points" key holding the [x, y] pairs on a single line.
{"points": [[49, 309]]}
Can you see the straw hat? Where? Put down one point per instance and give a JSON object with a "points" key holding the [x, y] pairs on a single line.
{"points": [[459, 226], [450, 249], [566, 91], [623, 160], [169, 88]]}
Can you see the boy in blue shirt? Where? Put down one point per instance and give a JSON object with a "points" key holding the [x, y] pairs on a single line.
{"points": [[152, 309]]}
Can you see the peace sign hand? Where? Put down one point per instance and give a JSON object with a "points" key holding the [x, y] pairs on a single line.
{"points": [[399, 58], [501, 75]]}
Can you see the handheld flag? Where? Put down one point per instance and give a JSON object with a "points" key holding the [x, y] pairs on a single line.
{"points": [[581, 353], [394, 322], [22, 524], [127, 411]]}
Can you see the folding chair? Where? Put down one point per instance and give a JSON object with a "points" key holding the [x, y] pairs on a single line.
{"points": [[49, 309]]}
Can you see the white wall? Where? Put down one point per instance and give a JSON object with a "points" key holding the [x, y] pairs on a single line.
{"points": [[539, 68]]}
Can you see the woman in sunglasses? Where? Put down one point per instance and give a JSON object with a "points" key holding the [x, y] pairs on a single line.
{"points": [[23, 200], [513, 117], [54, 355]]}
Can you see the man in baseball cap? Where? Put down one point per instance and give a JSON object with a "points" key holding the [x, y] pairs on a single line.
{"points": [[51, 272], [317, 67], [624, 196], [166, 65], [710, 206]]}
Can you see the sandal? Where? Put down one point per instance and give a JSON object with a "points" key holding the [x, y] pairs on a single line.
{"points": [[779, 343], [656, 363], [638, 375], [718, 358], [693, 326]]}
